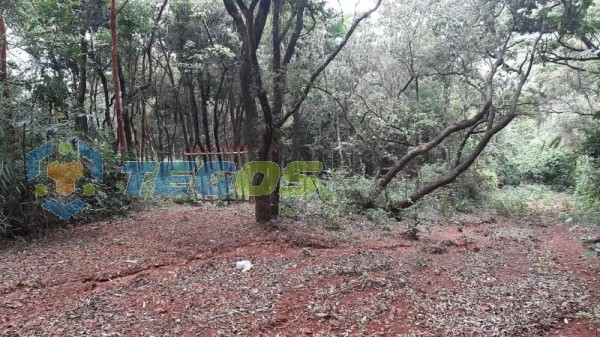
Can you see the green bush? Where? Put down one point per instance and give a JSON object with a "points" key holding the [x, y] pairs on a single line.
{"points": [[109, 199], [18, 208], [587, 180], [557, 169], [468, 191], [334, 191], [590, 145], [515, 200], [21, 210], [508, 202], [508, 174]]}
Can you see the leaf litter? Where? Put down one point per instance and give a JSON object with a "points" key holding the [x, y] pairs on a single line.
{"points": [[172, 272]]}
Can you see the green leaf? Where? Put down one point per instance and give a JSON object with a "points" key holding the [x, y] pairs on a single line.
{"points": [[584, 315]]}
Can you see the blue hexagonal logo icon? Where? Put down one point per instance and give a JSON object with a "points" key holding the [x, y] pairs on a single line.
{"points": [[65, 175]]}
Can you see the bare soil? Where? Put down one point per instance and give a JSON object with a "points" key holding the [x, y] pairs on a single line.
{"points": [[171, 272]]}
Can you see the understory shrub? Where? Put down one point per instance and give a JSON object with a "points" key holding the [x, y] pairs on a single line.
{"points": [[590, 145], [110, 199], [21, 209], [346, 192], [557, 169], [466, 193], [587, 181], [514, 200], [508, 174], [587, 175]]}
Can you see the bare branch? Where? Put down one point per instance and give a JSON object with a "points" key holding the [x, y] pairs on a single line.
{"points": [[315, 75]]}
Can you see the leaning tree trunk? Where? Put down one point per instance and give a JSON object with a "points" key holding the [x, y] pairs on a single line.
{"points": [[451, 176], [116, 78], [486, 114]]}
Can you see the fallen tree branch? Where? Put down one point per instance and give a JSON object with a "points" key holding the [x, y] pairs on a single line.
{"points": [[592, 241]]}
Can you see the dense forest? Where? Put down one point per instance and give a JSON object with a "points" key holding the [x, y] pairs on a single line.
{"points": [[397, 100], [300, 168]]}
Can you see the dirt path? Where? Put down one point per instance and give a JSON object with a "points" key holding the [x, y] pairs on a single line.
{"points": [[171, 272]]}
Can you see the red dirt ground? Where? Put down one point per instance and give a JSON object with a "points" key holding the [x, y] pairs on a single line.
{"points": [[171, 272]]}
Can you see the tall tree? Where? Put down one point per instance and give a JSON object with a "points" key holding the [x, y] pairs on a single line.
{"points": [[250, 23], [116, 78], [11, 136], [81, 121], [3, 53]]}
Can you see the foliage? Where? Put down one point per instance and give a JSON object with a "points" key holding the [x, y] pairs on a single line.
{"points": [[12, 208], [594, 314], [109, 199], [587, 181], [515, 200], [590, 145], [341, 194], [557, 169], [20, 207], [467, 193]]}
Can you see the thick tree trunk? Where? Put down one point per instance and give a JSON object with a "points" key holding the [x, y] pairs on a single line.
{"points": [[263, 208], [250, 29], [249, 103], [116, 79], [279, 80]]}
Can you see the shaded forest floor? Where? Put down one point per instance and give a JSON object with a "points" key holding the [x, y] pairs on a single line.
{"points": [[171, 272]]}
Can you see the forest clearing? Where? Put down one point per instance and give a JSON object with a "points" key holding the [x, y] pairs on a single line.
{"points": [[172, 272]]}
